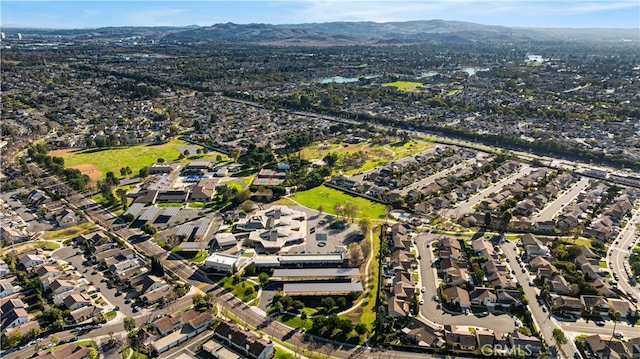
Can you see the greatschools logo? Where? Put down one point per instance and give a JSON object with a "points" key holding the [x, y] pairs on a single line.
{"points": [[506, 350]]}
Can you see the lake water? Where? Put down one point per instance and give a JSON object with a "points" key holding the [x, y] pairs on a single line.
{"points": [[342, 80], [426, 74], [473, 70]]}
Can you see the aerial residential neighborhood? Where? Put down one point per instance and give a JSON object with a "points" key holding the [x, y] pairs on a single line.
{"points": [[321, 190]]}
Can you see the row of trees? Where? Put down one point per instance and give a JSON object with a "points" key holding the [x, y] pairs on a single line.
{"points": [[72, 176]]}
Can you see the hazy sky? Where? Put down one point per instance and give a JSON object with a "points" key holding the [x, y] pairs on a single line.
{"points": [[529, 13]]}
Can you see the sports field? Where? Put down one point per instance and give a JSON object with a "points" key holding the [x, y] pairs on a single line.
{"points": [[408, 86], [96, 162], [329, 197]]}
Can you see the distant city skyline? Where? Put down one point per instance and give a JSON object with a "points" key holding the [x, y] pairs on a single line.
{"points": [[513, 13]]}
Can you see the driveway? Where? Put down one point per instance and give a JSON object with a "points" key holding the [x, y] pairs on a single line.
{"points": [[428, 279]]}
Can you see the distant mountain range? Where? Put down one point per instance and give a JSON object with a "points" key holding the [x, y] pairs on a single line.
{"points": [[353, 33]]}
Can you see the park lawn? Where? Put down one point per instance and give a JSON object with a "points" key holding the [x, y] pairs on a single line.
{"points": [[70, 232], [408, 86], [281, 354], [329, 197], [296, 322], [367, 310], [240, 289], [113, 159], [48, 246]]}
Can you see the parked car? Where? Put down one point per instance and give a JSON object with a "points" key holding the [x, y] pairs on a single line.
{"points": [[618, 335], [423, 290], [599, 323], [482, 314]]}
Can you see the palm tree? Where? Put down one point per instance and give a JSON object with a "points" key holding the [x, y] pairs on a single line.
{"points": [[616, 318]]}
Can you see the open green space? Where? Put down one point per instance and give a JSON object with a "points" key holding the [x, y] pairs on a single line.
{"points": [[192, 256], [112, 159], [408, 86], [70, 232], [244, 290], [48, 246], [375, 152], [329, 197]]}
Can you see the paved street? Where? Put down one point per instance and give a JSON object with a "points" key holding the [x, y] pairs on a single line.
{"points": [[554, 207], [618, 255], [467, 206], [428, 276], [69, 254], [544, 321]]}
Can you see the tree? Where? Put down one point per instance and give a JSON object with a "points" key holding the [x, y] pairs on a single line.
{"points": [[55, 339], [263, 278], [197, 299], [350, 210], [122, 195], [235, 153], [487, 219], [365, 225], [149, 229], [129, 324], [559, 336], [93, 353], [355, 253], [144, 172], [342, 302], [13, 339], [328, 303], [210, 299], [361, 328]]}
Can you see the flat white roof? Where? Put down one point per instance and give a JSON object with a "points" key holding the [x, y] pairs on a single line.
{"points": [[226, 259], [225, 239]]}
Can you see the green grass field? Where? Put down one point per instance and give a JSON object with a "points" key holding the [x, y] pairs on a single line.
{"points": [[377, 155], [240, 290], [113, 159], [70, 232], [329, 197], [407, 86]]}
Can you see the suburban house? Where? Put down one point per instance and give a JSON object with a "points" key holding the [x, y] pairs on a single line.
{"points": [[32, 260], [243, 341]]}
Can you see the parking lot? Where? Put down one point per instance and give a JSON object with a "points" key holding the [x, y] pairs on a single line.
{"points": [[70, 255], [325, 236]]}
